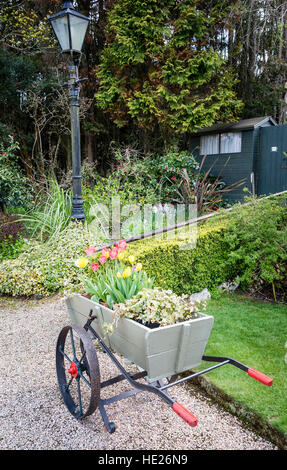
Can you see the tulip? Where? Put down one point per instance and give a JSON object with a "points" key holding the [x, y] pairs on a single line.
{"points": [[114, 253], [127, 272], [106, 253], [121, 245], [90, 250], [95, 266], [139, 267], [81, 262], [120, 255]]}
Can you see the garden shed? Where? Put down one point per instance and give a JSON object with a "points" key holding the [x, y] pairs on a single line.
{"points": [[254, 149]]}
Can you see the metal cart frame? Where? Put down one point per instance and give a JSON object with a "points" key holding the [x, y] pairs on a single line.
{"points": [[84, 369]]}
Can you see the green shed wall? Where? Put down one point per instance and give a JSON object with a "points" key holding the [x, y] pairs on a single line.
{"points": [[240, 165]]}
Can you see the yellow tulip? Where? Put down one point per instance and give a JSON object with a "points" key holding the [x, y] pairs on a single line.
{"points": [[139, 267], [119, 276], [120, 255], [131, 259], [82, 262], [127, 272]]}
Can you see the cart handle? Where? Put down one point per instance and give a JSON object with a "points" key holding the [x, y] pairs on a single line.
{"points": [[185, 414], [260, 377], [264, 379]]}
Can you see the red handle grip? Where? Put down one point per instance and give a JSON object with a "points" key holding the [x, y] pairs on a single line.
{"points": [[185, 414], [261, 377]]}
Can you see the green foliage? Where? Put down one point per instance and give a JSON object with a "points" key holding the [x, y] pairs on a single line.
{"points": [[116, 282], [151, 178], [24, 30], [158, 306], [11, 239], [175, 265], [138, 179], [257, 241], [10, 249], [108, 279], [51, 213], [160, 68], [45, 268], [15, 189], [135, 180], [202, 189], [249, 242], [16, 74]]}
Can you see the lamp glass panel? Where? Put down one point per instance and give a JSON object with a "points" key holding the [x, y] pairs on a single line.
{"points": [[61, 29], [78, 31]]}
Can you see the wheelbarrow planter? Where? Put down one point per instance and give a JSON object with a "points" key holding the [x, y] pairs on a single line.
{"points": [[160, 354]]}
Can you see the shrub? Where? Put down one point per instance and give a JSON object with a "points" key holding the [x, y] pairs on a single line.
{"points": [[186, 270], [257, 242], [45, 268], [151, 178], [11, 239], [15, 189]]}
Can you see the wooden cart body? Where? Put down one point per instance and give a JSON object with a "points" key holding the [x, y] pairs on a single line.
{"points": [[162, 352]]}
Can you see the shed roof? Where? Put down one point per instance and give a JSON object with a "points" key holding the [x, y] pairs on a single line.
{"points": [[243, 125]]}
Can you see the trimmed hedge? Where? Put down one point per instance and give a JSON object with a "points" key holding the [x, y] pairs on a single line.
{"points": [[185, 270]]}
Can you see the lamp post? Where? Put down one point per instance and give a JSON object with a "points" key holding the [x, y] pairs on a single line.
{"points": [[70, 29]]}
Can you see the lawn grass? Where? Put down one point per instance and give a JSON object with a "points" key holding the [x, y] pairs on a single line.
{"points": [[254, 333]]}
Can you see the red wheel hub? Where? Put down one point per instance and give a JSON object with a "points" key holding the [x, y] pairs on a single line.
{"points": [[73, 370]]}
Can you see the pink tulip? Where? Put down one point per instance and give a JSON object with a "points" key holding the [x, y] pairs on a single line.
{"points": [[113, 253], [95, 266], [121, 245], [104, 251], [102, 259], [90, 250]]}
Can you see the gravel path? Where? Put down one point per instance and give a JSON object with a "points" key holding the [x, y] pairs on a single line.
{"points": [[33, 416]]}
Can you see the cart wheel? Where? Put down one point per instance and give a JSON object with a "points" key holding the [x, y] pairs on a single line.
{"points": [[78, 371]]}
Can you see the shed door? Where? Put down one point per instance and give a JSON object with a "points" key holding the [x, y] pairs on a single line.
{"points": [[272, 162]]}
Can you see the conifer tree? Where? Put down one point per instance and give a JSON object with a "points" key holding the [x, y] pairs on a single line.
{"points": [[161, 65]]}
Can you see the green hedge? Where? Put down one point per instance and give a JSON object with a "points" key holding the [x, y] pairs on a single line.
{"points": [[185, 270]]}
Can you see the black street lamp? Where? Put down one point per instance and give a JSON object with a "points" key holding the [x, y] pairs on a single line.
{"points": [[70, 29]]}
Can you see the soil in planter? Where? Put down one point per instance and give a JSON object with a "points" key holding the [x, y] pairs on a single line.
{"points": [[149, 324]]}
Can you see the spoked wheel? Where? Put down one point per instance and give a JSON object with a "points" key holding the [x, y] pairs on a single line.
{"points": [[78, 371]]}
